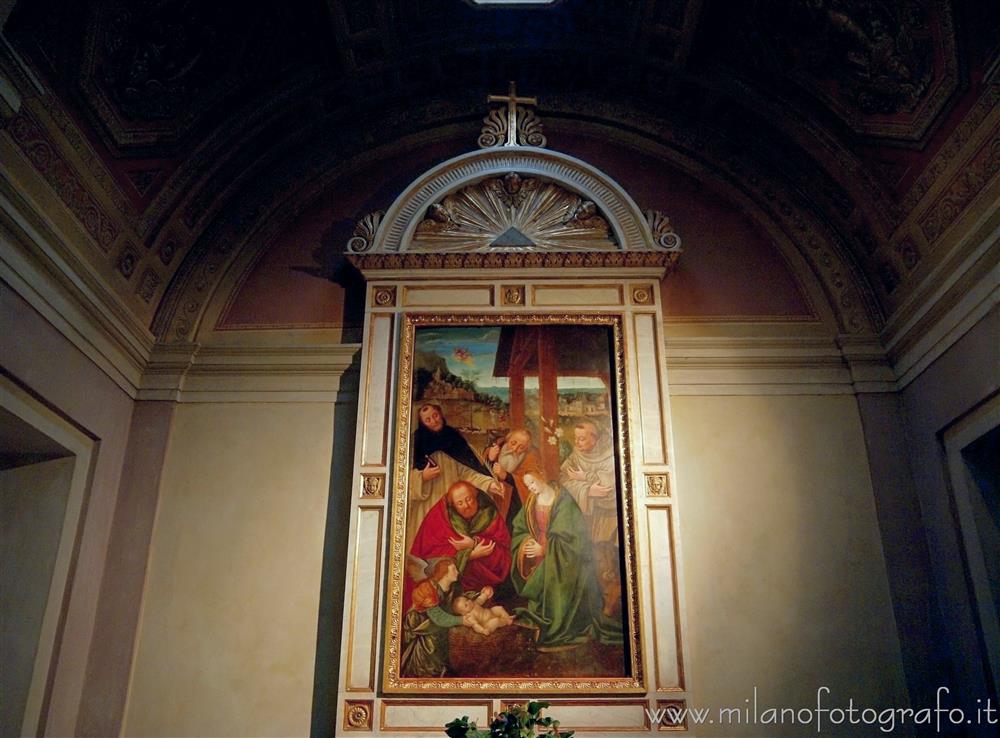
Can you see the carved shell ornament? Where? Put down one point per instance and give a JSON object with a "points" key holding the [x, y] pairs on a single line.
{"points": [[513, 213], [663, 232], [364, 233]]}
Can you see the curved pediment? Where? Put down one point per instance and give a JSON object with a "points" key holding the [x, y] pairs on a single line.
{"points": [[513, 200]]}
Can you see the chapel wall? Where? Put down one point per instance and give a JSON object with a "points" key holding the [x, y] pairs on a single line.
{"points": [[733, 267], [956, 384], [233, 627], [785, 580], [40, 358]]}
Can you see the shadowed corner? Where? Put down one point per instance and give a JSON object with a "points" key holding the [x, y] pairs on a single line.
{"points": [[331, 603], [331, 264]]}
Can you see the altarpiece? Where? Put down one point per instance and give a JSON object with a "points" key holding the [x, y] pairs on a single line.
{"points": [[513, 526]]}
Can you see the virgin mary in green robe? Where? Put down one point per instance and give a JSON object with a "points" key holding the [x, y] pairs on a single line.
{"points": [[554, 570]]}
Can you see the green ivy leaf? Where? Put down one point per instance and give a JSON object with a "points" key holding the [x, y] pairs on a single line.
{"points": [[536, 707]]}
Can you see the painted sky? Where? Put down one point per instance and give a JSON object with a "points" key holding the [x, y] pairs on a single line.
{"points": [[469, 352]]}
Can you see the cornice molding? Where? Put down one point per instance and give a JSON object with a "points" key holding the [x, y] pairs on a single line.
{"points": [[38, 264], [436, 265], [972, 293], [190, 373], [771, 365]]}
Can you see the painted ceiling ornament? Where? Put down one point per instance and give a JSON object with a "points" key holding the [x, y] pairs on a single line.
{"points": [[513, 123], [886, 68], [514, 213]]}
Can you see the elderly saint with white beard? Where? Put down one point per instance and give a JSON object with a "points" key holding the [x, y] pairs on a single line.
{"points": [[511, 461]]}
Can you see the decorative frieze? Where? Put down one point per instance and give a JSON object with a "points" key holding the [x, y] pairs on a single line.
{"points": [[515, 260]]}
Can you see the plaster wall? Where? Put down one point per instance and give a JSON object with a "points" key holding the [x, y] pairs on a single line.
{"points": [[785, 580], [39, 357], [32, 507], [961, 379], [228, 634], [785, 583]]}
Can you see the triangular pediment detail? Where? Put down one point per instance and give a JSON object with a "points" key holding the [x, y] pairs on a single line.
{"points": [[512, 238]]}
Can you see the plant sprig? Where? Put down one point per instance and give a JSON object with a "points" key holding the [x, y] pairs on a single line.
{"points": [[518, 721]]}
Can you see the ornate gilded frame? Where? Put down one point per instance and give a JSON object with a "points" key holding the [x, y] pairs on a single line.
{"points": [[392, 682]]}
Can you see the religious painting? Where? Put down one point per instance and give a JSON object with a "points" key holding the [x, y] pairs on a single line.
{"points": [[512, 558]]}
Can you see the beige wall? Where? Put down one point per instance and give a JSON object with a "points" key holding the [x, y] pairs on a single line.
{"points": [[227, 639], [40, 358], [785, 585], [957, 382], [785, 582], [32, 510]]}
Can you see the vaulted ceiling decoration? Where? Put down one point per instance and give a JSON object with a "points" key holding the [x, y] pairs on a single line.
{"points": [[189, 126], [151, 72], [887, 69]]}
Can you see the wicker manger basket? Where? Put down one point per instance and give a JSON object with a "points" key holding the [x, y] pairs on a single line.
{"points": [[505, 652]]}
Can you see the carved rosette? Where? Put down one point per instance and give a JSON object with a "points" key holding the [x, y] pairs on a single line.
{"points": [[358, 714], [674, 714], [642, 294], [663, 232], [384, 297], [364, 233]]}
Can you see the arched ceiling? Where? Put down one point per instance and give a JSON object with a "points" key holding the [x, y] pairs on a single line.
{"points": [[205, 120]]}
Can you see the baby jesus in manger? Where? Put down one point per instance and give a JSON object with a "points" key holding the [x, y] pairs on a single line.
{"points": [[481, 619]]}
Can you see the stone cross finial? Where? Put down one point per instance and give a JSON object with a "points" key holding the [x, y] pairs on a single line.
{"points": [[514, 124]]}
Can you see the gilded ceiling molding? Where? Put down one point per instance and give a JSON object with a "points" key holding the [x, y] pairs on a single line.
{"points": [[966, 185], [106, 242], [96, 168], [887, 70]]}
